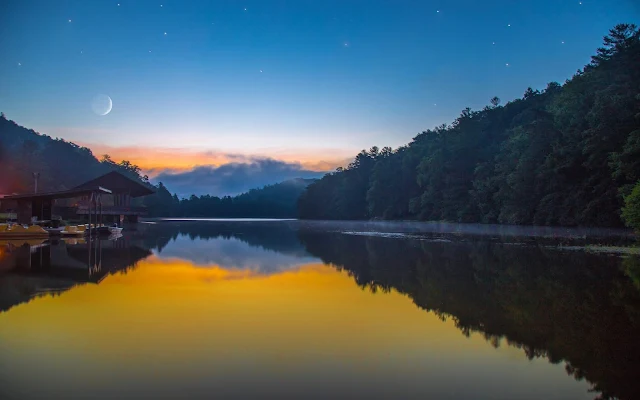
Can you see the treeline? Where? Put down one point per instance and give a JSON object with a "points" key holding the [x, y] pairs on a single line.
{"points": [[566, 155], [271, 201]]}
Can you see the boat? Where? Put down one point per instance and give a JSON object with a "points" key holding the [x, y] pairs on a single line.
{"points": [[54, 231], [109, 230], [71, 240], [114, 236], [71, 230], [31, 242], [19, 231]]}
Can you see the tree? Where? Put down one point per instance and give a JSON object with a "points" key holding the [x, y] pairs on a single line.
{"points": [[631, 209], [621, 38]]}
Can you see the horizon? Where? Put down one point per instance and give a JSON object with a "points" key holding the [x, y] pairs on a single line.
{"points": [[277, 92]]}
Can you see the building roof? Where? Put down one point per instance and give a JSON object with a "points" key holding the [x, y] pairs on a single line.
{"points": [[119, 183], [63, 194]]}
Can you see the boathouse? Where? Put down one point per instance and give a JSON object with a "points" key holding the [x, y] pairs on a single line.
{"points": [[106, 199]]}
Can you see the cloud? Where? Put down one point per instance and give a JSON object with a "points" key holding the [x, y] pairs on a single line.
{"points": [[232, 178], [155, 160], [188, 171]]}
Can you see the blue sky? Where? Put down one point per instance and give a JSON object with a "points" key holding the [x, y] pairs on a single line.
{"points": [[298, 81]]}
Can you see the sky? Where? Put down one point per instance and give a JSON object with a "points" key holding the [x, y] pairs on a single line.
{"points": [[197, 85]]}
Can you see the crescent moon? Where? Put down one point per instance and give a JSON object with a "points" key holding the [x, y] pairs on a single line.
{"points": [[102, 104]]}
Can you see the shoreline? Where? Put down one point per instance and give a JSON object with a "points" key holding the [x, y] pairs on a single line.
{"points": [[601, 239]]}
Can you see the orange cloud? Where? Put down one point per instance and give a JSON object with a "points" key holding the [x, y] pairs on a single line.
{"points": [[154, 160]]}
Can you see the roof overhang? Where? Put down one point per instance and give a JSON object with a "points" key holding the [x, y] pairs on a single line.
{"points": [[64, 194], [119, 183]]}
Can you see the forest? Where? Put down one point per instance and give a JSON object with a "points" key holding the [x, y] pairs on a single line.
{"points": [[568, 155]]}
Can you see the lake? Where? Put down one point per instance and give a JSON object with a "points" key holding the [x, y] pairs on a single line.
{"points": [[293, 309]]}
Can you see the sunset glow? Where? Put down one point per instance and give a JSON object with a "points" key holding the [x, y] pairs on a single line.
{"points": [[154, 160]]}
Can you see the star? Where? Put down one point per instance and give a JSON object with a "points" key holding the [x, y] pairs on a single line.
{"points": [[245, 8], [149, 51], [118, 4], [562, 42], [160, 5], [80, 51], [507, 64], [69, 20], [434, 104], [260, 70], [508, 24], [346, 44], [580, 2], [19, 64], [493, 43], [437, 11], [165, 33]]}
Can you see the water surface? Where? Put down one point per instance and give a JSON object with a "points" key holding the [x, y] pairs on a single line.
{"points": [[237, 309]]}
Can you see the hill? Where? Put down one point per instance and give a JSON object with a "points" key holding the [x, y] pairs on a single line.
{"points": [[562, 156], [61, 164]]}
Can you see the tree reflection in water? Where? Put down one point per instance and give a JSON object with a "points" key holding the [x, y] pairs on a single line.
{"points": [[568, 306], [51, 267]]}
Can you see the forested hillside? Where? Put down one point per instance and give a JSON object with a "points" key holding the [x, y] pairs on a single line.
{"points": [[562, 156], [61, 164]]}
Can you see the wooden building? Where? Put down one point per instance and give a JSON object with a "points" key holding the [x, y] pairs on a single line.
{"points": [[122, 204], [106, 199]]}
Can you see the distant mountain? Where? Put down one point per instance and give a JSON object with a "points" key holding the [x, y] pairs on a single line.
{"points": [[233, 178]]}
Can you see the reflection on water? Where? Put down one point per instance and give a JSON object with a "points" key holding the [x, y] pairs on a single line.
{"points": [[234, 309], [38, 267], [261, 247]]}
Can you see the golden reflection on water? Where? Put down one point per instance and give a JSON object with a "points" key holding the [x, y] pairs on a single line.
{"points": [[169, 326]]}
